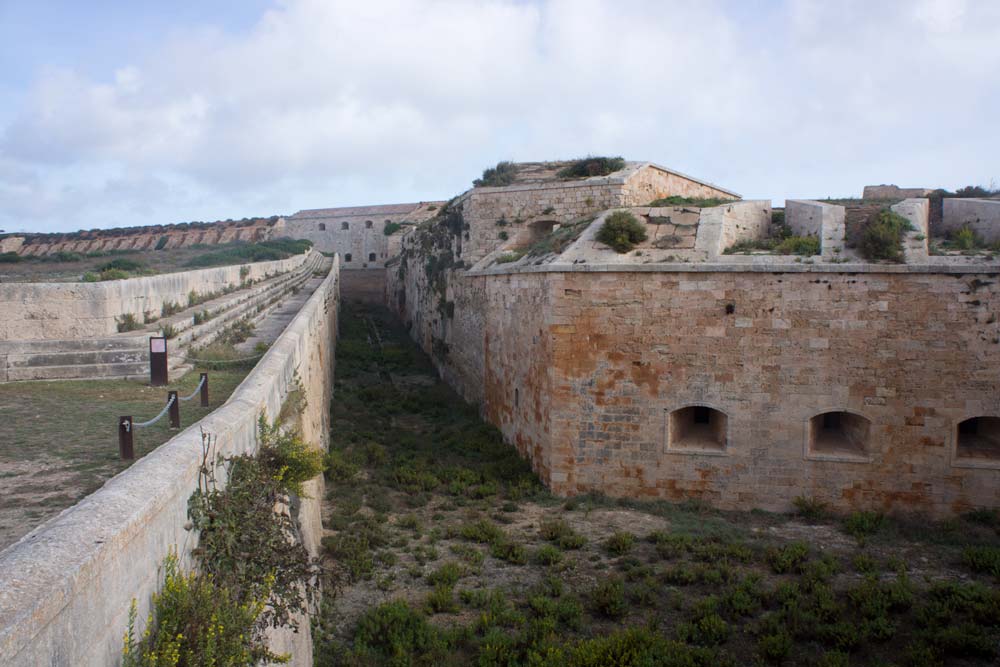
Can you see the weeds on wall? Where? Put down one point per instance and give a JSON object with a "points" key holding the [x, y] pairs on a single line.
{"points": [[622, 231], [391, 228], [500, 175], [128, 322], [592, 166], [697, 202], [253, 571], [882, 236]]}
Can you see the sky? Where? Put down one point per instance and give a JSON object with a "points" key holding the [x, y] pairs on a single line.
{"points": [[139, 112]]}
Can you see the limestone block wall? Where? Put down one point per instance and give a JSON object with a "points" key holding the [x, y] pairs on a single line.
{"points": [[915, 241], [813, 218], [721, 227], [66, 587], [892, 192], [981, 215], [652, 182], [359, 240], [913, 353], [366, 285], [52, 311]]}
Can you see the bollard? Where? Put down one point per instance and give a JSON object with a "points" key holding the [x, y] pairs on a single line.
{"points": [[204, 390], [158, 374], [175, 410], [125, 449]]}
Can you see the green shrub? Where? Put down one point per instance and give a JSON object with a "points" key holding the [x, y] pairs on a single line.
{"points": [[201, 317], [162, 243], [500, 175], [697, 202], [632, 647], [290, 460], [128, 322], [774, 648], [510, 551], [170, 308], [483, 531], [863, 524], [548, 554], [448, 574], [508, 257], [608, 598], [122, 264], [560, 533], [109, 274], [193, 622], [882, 236], [396, 634], [592, 166], [10, 258], [168, 331], [391, 228], [798, 245], [262, 251], [983, 559], [812, 509], [620, 543], [441, 600], [621, 230], [708, 630], [788, 558]]}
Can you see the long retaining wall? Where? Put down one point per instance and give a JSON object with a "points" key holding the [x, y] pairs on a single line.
{"points": [[45, 311], [66, 587]]}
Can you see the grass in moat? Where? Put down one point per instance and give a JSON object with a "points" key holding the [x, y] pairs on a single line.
{"points": [[445, 550], [59, 439]]}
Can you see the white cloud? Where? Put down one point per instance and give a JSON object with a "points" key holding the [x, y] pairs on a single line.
{"points": [[331, 102]]}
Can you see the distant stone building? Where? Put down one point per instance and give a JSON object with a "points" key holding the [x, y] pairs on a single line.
{"points": [[359, 233], [886, 192]]}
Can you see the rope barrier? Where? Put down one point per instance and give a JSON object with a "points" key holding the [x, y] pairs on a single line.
{"points": [[157, 417], [196, 390]]}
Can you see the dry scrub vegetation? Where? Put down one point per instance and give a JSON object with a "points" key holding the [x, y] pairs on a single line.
{"points": [[448, 551]]}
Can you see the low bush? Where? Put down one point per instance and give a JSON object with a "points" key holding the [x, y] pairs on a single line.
{"points": [[10, 258], [508, 257], [812, 509], [128, 322], [620, 543], [788, 558], [559, 532], [622, 231], [882, 236], [170, 308], [194, 621], [861, 525], [500, 175], [122, 264], [608, 598], [201, 316], [391, 228], [395, 634], [696, 202], [291, 461], [262, 251], [982, 559], [592, 166]]}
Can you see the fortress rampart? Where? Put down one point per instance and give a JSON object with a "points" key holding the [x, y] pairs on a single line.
{"points": [[53, 311], [682, 369], [66, 587]]}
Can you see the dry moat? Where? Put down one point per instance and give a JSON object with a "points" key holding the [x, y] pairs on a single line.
{"points": [[444, 549]]}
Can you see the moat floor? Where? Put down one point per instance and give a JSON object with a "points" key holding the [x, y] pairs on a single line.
{"points": [[444, 549]]}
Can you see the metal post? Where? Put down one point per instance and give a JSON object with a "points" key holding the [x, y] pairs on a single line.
{"points": [[125, 450], [175, 410], [204, 390]]}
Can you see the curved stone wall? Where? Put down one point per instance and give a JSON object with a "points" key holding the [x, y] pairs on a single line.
{"points": [[46, 311], [66, 587]]}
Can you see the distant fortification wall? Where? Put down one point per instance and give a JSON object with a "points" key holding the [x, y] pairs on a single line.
{"points": [[893, 192], [48, 311], [67, 586]]}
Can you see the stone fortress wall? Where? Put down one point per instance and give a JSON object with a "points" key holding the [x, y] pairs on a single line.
{"points": [[743, 380], [67, 586], [54, 311]]}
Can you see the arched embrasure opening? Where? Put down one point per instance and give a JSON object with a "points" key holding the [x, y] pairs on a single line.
{"points": [[978, 438], [697, 427], [839, 433]]}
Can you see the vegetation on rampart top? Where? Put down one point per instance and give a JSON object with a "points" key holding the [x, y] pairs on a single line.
{"points": [[882, 236], [117, 269], [391, 228], [622, 231], [262, 251], [500, 175], [966, 240], [780, 241], [592, 166], [697, 202]]}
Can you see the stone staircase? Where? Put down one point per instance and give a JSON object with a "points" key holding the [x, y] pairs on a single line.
{"points": [[127, 354]]}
